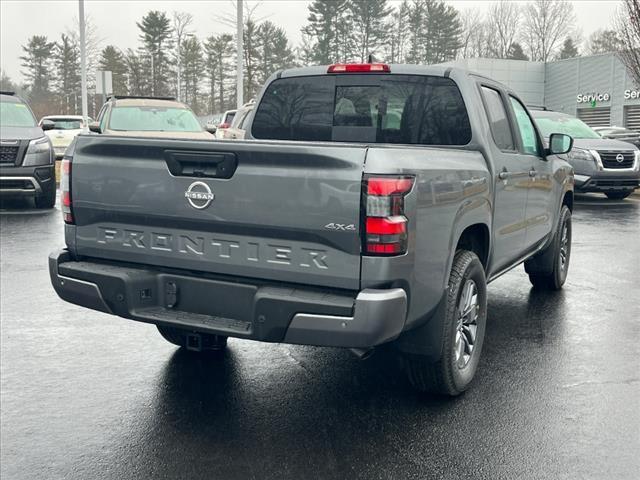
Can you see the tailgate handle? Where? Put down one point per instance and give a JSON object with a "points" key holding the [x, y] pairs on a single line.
{"points": [[183, 163]]}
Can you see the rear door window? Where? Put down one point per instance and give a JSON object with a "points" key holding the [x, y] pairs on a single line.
{"points": [[404, 109], [498, 121]]}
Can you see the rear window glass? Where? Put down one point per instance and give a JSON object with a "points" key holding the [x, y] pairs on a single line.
{"points": [[406, 109], [154, 119], [65, 123]]}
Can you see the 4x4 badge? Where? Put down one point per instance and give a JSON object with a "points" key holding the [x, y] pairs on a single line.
{"points": [[199, 195]]}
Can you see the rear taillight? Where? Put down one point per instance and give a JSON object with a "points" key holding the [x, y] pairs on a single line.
{"points": [[385, 223], [359, 68], [65, 190]]}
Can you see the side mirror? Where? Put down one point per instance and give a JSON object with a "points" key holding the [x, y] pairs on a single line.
{"points": [[47, 125], [559, 143], [95, 127], [211, 129]]}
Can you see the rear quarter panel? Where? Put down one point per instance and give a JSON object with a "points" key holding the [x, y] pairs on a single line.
{"points": [[452, 190]]}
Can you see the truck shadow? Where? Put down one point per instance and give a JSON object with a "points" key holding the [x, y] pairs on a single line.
{"points": [[279, 408]]}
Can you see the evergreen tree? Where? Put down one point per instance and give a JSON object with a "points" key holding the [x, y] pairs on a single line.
{"points": [[192, 63], [218, 70], [6, 84], [399, 33], [181, 30], [435, 32], [251, 58], [516, 52], [137, 80], [66, 60], [113, 60], [36, 62], [329, 27], [275, 51], [604, 41], [369, 19], [155, 35], [569, 49]]}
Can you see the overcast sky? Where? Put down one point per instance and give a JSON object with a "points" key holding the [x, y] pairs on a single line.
{"points": [[116, 19]]}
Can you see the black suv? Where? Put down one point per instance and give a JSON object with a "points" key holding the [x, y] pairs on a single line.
{"points": [[26, 154]]}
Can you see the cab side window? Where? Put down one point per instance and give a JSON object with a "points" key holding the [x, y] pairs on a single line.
{"points": [[526, 128], [498, 121]]}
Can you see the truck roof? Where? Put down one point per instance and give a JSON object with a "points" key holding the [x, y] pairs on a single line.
{"points": [[396, 68]]}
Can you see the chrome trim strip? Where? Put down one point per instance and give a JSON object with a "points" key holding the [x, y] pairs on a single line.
{"points": [[36, 185]]}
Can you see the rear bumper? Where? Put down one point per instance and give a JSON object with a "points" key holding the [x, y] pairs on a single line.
{"points": [[228, 307], [26, 181]]}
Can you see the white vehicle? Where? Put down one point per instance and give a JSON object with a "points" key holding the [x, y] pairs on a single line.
{"points": [[237, 130], [65, 128], [227, 119]]}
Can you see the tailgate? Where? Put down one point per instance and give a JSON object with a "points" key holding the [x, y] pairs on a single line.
{"points": [[270, 210]]}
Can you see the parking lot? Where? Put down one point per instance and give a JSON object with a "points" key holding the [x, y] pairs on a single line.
{"points": [[87, 395]]}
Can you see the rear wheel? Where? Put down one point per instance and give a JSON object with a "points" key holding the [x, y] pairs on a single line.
{"points": [[463, 332], [200, 342], [548, 269], [617, 195]]}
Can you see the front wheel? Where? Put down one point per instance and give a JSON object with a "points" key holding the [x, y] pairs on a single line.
{"points": [[617, 195], [463, 332], [548, 269], [200, 342]]}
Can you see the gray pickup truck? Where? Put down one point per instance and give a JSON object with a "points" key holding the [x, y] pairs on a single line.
{"points": [[369, 204]]}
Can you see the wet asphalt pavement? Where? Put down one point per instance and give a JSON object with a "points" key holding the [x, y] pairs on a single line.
{"points": [[88, 396]]}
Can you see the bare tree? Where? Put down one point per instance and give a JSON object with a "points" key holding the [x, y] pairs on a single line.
{"points": [[181, 23], [628, 25], [504, 22], [476, 35], [546, 24]]}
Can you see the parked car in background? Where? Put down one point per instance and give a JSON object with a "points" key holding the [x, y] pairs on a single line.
{"points": [[65, 128], [619, 133], [337, 225], [26, 153], [601, 165], [148, 117], [227, 119], [237, 129], [211, 123]]}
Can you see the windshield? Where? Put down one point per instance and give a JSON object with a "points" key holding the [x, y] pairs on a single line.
{"points": [[66, 123], [567, 125], [13, 114], [154, 119]]}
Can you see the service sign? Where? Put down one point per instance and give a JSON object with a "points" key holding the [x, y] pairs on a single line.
{"points": [[631, 94], [593, 98]]}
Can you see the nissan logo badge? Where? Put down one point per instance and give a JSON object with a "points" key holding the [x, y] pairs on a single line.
{"points": [[619, 158], [199, 195]]}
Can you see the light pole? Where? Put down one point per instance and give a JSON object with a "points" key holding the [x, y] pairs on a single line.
{"points": [[83, 68], [239, 55]]}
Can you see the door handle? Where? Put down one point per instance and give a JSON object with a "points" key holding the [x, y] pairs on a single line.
{"points": [[503, 175], [532, 172]]}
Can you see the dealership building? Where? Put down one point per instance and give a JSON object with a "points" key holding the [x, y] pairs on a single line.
{"points": [[597, 89]]}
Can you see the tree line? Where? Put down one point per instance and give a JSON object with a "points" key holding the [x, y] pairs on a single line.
{"points": [[171, 60]]}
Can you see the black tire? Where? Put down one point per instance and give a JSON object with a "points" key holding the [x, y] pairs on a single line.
{"points": [[548, 269], [449, 374], [617, 195], [178, 336], [47, 199]]}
